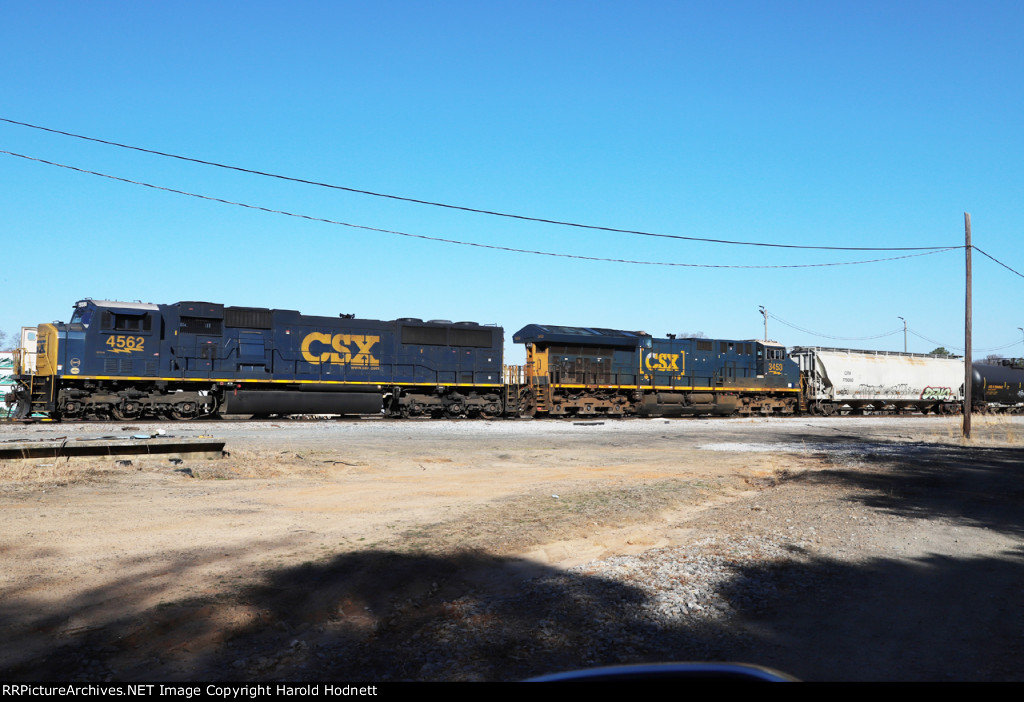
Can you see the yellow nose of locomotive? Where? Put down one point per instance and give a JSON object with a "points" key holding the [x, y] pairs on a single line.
{"points": [[47, 348]]}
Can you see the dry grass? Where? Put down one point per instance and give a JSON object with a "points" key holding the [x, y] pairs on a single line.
{"points": [[56, 472], [513, 525], [53, 472], [986, 430], [245, 463]]}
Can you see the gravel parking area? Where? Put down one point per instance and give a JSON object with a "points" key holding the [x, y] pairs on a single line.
{"points": [[868, 548]]}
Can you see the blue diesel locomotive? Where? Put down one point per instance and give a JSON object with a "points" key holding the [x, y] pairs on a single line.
{"points": [[125, 360], [582, 371]]}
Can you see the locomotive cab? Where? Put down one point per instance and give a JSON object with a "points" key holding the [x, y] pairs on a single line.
{"points": [[771, 359], [72, 360]]}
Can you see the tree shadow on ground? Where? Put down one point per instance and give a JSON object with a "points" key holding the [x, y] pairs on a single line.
{"points": [[373, 615], [971, 486], [387, 616], [931, 618]]}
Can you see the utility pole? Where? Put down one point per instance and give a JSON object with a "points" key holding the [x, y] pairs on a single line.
{"points": [[764, 312], [968, 367], [904, 333], [1022, 333]]}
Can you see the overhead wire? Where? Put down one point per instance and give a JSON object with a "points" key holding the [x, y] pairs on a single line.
{"points": [[961, 348], [937, 343], [456, 241], [827, 336], [463, 208], [1000, 348], [890, 333], [996, 260], [925, 250]]}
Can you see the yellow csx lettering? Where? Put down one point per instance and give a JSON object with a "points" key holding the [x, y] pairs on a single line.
{"points": [[663, 362], [338, 349]]}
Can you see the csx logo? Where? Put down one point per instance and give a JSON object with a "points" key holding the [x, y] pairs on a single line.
{"points": [[663, 362], [931, 393], [324, 348]]}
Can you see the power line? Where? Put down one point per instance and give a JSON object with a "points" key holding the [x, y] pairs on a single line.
{"points": [[1004, 346], [961, 348], [933, 341], [879, 336], [469, 209], [456, 241], [997, 261], [827, 336]]}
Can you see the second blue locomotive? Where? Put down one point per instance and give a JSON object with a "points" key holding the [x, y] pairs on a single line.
{"points": [[583, 371]]}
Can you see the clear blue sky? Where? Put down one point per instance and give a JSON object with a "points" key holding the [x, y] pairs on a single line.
{"points": [[815, 123]]}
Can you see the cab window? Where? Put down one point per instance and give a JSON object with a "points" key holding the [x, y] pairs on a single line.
{"points": [[119, 321], [83, 316]]}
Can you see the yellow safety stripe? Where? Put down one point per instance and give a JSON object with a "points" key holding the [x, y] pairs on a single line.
{"points": [[675, 387], [256, 380]]}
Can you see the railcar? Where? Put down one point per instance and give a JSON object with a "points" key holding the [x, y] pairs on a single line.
{"points": [[850, 380], [585, 371], [125, 360], [998, 387]]}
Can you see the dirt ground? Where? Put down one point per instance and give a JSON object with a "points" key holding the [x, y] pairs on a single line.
{"points": [[349, 549]]}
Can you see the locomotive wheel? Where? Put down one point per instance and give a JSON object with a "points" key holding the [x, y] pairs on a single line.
{"points": [[184, 410], [126, 411]]}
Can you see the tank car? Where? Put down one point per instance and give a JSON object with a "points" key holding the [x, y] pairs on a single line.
{"points": [[998, 387], [125, 360], [852, 380], [585, 371]]}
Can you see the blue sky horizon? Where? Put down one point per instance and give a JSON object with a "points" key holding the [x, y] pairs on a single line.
{"points": [[845, 124]]}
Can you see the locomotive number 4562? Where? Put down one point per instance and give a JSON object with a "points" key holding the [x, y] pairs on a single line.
{"points": [[126, 344]]}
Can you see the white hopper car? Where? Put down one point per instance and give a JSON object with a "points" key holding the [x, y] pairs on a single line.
{"points": [[847, 380]]}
